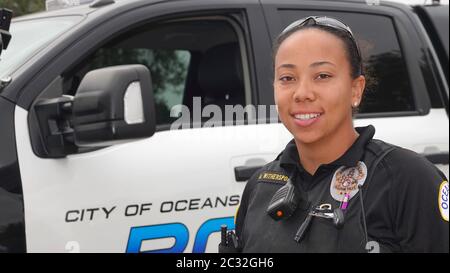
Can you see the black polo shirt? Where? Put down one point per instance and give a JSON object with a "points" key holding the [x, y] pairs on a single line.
{"points": [[405, 203]]}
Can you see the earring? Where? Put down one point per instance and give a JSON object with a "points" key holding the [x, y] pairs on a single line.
{"points": [[355, 104]]}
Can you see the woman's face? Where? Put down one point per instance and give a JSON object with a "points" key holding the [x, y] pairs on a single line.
{"points": [[314, 90]]}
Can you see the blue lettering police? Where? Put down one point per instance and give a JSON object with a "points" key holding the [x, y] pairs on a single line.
{"points": [[178, 231]]}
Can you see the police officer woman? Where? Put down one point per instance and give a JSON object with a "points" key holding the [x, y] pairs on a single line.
{"points": [[334, 188]]}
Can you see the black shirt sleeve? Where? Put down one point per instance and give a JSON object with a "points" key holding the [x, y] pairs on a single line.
{"points": [[415, 198]]}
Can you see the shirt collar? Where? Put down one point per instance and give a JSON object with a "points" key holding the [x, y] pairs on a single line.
{"points": [[349, 159]]}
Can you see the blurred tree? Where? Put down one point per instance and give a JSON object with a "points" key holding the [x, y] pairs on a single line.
{"points": [[22, 7]]}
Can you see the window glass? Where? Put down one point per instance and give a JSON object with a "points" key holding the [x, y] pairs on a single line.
{"points": [[186, 60], [168, 69], [31, 35]]}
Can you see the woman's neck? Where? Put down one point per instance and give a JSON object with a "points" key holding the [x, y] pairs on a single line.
{"points": [[326, 150]]}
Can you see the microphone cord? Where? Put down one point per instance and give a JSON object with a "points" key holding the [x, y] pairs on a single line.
{"points": [[366, 237]]}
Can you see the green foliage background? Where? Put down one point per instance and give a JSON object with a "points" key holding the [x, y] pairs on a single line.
{"points": [[22, 7]]}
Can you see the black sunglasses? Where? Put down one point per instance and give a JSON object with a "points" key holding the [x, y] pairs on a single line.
{"points": [[327, 22]]}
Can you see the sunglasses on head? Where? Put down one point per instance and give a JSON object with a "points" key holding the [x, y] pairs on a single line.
{"points": [[323, 21]]}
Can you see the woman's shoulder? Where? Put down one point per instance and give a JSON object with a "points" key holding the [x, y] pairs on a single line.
{"points": [[409, 167], [415, 189], [404, 159]]}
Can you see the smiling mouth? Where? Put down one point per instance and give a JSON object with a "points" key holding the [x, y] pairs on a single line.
{"points": [[307, 116]]}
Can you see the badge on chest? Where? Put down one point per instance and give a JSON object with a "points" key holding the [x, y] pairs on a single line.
{"points": [[345, 181]]}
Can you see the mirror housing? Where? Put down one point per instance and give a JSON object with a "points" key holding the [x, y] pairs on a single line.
{"points": [[112, 105]]}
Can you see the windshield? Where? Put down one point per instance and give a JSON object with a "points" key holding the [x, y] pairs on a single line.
{"points": [[28, 37]]}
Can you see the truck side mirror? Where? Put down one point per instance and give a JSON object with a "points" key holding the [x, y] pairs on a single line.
{"points": [[112, 105]]}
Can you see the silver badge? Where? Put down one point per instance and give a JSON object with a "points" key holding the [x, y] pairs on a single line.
{"points": [[346, 180]]}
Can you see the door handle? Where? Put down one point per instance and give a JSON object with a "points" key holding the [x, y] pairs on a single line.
{"points": [[437, 158], [243, 173]]}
